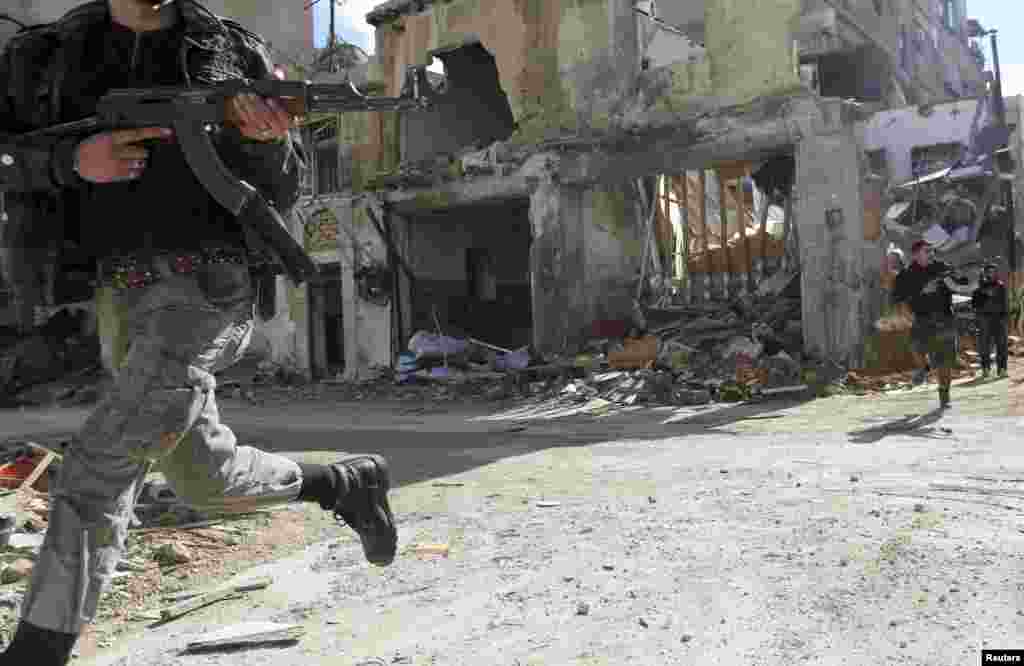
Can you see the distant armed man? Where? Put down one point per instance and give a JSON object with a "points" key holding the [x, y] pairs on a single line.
{"points": [[926, 289], [991, 308], [179, 263]]}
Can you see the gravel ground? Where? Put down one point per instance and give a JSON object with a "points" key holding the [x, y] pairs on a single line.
{"points": [[859, 530]]}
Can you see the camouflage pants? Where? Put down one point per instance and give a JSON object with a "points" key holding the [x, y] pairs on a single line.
{"points": [[182, 329]]}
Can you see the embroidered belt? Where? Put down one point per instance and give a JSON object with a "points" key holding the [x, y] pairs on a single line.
{"points": [[132, 271]]}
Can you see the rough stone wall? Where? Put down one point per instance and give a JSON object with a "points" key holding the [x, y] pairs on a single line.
{"points": [[750, 46], [563, 65]]}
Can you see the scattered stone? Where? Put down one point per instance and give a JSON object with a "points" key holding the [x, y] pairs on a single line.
{"points": [[17, 570], [686, 638], [172, 553], [582, 608], [426, 549], [919, 508], [643, 623], [11, 599], [608, 567], [854, 478], [31, 541]]}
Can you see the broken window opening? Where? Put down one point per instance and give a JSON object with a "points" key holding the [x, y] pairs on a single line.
{"points": [[472, 110], [926, 159], [856, 75], [717, 230]]}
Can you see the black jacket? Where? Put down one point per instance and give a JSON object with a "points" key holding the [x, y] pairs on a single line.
{"points": [[990, 298], [910, 284], [55, 73]]}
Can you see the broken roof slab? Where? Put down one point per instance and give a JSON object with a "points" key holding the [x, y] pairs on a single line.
{"points": [[751, 133]]}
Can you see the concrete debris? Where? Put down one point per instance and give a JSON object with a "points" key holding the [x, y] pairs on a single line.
{"points": [[10, 599], [53, 364], [17, 570], [427, 549], [172, 553], [26, 541], [685, 356]]}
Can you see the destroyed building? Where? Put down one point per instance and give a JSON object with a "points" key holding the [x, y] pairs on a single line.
{"points": [[588, 155], [580, 147]]}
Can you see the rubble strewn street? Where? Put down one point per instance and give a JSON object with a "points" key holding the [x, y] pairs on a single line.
{"points": [[837, 522], [661, 333]]}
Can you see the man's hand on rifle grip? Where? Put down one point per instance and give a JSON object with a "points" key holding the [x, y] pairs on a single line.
{"points": [[116, 156]]}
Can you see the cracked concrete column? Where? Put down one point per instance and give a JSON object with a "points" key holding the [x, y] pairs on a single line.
{"points": [[840, 269], [584, 260]]}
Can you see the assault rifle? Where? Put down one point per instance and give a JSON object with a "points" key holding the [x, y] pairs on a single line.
{"points": [[191, 112]]}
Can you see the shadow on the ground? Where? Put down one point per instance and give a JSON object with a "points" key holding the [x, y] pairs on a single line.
{"points": [[913, 425], [744, 411], [422, 455]]}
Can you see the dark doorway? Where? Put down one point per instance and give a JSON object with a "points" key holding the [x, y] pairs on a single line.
{"points": [[326, 332], [472, 267]]}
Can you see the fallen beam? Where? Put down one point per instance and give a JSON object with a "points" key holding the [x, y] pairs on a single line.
{"points": [[465, 192], [729, 135]]}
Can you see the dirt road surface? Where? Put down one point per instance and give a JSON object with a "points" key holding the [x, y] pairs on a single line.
{"points": [[847, 530]]}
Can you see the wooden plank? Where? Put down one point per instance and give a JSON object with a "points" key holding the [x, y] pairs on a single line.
{"points": [[764, 233], [679, 186], [203, 600], [211, 597], [723, 214], [31, 479], [703, 207], [248, 633], [787, 254], [741, 221]]}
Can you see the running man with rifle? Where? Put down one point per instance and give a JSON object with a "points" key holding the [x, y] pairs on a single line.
{"points": [[926, 288], [180, 263]]}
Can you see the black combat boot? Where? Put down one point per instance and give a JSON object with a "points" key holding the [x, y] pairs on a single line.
{"points": [[38, 647], [944, 398], [356, 489]]}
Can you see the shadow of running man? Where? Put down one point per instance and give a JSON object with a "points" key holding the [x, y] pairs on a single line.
{"points": [[914, 425]]}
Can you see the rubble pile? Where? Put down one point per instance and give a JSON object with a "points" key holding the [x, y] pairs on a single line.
{"points": [[683, 356], [59, 362], [727, 353]]}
